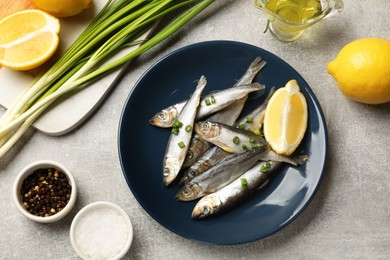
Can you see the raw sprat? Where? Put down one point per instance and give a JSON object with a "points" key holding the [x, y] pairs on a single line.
{"points": [[239, 157], [178, 142], [227, 116], [166, 117], [234, 193]]}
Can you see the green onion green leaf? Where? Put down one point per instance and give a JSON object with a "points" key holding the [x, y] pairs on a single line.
{"points": [[256, 146], [94, 54], [241, 126], [188, 128], [256, 132], [175, 131], [244, 183]]}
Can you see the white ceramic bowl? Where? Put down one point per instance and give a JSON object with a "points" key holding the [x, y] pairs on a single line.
{"points": [[101, 230], [28, 170]]}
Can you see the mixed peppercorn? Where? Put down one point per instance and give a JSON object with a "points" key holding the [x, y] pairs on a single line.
{"points": [[45, 192]]}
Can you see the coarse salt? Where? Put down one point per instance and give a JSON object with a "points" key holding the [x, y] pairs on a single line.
{"points": [[102, 232]]}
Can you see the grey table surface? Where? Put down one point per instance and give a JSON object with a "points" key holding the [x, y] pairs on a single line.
{"points": [[349, 218]]}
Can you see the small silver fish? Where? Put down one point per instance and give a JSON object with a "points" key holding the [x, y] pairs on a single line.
{"points": [[196, 148], [254, 120], [198, 159], [227, 116], [291, 159], [215, 155], [208, 159], [230, 139], [253, 69], [209, 104], [235, 192], [220, 174], [178, 143]]}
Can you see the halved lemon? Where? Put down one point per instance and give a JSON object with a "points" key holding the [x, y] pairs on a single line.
{"points": [[28, 39], [285, 120], [62, 8]]}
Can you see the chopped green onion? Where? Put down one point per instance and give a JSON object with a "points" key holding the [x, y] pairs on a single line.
{"points": [[262, 131], [213, 99], [236, 140], [265, 167], [244, 183], [244, 147], [177, 123], [188, 128], [175, 131], [256, 132], [249, 119], [256, 146], [267, 26], [251, 140], [207, 101], [181, 145], [190, 95], [241, 126], [268, 164]]}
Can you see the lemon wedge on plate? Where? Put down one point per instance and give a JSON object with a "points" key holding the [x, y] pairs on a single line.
{"points": [[28, 39], [285, 119]]}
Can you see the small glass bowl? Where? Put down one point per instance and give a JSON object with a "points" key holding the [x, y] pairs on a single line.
{"points": [[27, 171]]}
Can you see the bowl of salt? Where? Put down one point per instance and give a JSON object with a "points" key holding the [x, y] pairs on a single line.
{"points": [[101, 230]]}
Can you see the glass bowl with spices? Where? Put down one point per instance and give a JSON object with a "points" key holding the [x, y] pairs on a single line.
{"points": [[45, 191]]}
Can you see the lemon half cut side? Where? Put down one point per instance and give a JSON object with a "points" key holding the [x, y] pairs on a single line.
{"points": [[286, 119], [28, 39]]}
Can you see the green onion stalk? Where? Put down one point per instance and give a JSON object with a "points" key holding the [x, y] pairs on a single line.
{"points": [[117, 26]]}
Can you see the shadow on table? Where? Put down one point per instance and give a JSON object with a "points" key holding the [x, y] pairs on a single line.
{"points": [[19, 145]]}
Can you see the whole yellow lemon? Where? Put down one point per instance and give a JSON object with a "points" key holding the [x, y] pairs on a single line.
{"points": [[362, 70], [62, 8]]}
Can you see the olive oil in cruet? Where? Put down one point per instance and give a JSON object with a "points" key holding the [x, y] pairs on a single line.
{"points": [[295, 10]]}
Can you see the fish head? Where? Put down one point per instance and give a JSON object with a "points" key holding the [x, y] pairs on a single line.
{"points": [[165, 117], [197, 146], [189, 174], [207, 130], [190, 191], [171, 168], [206, 206], [190, 154]]}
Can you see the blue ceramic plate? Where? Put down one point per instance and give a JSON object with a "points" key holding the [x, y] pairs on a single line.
{"points": [[142, 146]]}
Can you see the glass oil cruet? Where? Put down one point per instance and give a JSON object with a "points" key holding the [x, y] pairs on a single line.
{"points": [[287, 19]]}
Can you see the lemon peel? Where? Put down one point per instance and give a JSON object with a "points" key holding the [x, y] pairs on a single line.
{"points": [[362, 70], [62, 8]]}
